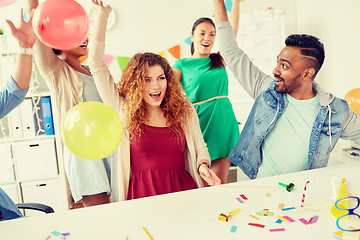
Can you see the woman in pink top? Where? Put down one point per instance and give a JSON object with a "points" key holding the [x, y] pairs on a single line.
{"points": [[162, 150]]}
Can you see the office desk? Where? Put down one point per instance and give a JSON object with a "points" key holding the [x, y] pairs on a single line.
{"points": [[194, 214]]}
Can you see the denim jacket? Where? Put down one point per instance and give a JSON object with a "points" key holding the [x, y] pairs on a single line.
{"points": [[10, 97], [8, 209], [334, 118]]}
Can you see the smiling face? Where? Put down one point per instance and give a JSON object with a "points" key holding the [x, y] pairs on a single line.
{"points": [[203, 39], [79, 51], [289, 71], [155, 86]]}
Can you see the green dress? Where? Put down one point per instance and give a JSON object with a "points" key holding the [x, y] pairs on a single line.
{"points": [[217, 119]]}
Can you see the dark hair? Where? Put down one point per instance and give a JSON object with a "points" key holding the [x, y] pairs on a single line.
{"points": [[56, 51], [215, 58], [310, 46]]}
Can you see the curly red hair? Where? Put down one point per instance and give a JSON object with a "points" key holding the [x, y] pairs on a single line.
{"points": [[176, 107]]}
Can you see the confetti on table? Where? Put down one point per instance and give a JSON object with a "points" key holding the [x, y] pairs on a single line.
{"points": [[239, 200], [254, 217], [289, 218], [243, 197], [277, 230], [268, 194], [304, 221], [283, 219], [281, 205], [257, 225], [233, 229], [286, 209], [279, 221], [337, 237], [55, 233], [314, 219]]}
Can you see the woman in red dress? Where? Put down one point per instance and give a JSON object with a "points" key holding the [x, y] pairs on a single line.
{"points": [[162, 150]]}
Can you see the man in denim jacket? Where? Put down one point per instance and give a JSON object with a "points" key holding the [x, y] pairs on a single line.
{"points": [[293, 124], [14, 93]]}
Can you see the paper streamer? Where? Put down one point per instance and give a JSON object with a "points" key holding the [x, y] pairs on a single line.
{"points": [[257, 225], [243, 197], [277, 230], [304, 221], [286, 209], [241, 201], [289, 218], [314, 219]]}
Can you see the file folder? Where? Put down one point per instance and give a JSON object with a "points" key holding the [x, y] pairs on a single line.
{"points": [[16, 125], [47, 115], [27, 118]]}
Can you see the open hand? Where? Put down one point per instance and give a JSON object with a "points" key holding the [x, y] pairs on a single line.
{"points": [[25, 33], [209, 176], [100, 6]]}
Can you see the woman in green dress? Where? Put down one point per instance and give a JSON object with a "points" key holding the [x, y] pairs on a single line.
{"points": [[205, 81]]}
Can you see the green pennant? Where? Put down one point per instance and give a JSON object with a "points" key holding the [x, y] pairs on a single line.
{"points": [[122, 61]]}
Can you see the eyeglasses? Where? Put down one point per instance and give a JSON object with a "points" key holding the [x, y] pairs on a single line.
{"points": [[342, 204]]}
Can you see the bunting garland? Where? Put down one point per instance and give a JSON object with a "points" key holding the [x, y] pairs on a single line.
{"points": [[174, 51]]}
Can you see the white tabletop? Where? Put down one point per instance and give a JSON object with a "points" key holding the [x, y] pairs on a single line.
{"points": [[194, 214]]}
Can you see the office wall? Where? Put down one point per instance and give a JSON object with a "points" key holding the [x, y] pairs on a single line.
{"points": [[336, 24], [156, 25]]}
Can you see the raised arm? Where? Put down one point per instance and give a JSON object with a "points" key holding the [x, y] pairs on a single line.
{"points": [[246, 73], [17, 86], [235, 16], [99, 70], [45, 58], [26, 38]]}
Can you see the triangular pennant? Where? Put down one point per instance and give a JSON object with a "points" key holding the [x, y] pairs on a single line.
{"points": [[160, 53], [188, 41], [175, 51], [122, 61], [107, 59], [228, 5], [83, 58]]}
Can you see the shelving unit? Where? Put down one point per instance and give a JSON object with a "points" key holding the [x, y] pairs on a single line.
{"points": [[31, 168]]}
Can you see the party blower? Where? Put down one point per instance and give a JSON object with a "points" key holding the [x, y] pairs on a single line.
{"points": [[342, 193]]}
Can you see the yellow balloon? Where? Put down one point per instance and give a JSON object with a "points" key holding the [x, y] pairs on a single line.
{"points": [[353, 98], [92, 130]]}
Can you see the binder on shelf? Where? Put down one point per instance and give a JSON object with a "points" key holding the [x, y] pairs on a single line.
{"points": [[16, 124], [47, 115], [38, 115], [27, 117]]}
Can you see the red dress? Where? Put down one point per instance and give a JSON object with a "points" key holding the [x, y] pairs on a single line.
{"points": [[158, 164]]}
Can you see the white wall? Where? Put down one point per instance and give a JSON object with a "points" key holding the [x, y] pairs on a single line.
{"points": [[336, 24], [156, 25]]}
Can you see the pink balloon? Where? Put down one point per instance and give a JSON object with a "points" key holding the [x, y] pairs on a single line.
{"points": [[62, 25]]}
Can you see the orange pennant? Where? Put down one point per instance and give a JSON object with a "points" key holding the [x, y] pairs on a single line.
{"points": [[175, 51]]}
